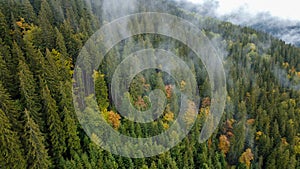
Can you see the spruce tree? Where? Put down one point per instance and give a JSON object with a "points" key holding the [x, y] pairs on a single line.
{"points": [[5, 75], [56, 135], [60, 43], [52, 73], [70, 127], [29, 96], [35, 150], [4, 28], [11, 108], [69, 120], [27, 11], [34, 58], [11, 154], [45, 19]]}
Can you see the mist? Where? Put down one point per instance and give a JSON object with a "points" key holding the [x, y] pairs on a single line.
{"points": [[285, 29]]}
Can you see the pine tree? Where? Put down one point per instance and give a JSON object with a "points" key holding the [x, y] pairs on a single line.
{"points": [[238, 140], [60, 43], [27, 11], [52, 73], [16, 53], [68, 116], [10, 107], [36, 4], [29, 96], [57, 68], [4, 29], [35, 150], [11, 154], [8, 68], [56, 135], [72, 139], [34, 58], [73, 43], [5, 75], [16, 32], [45, 19]]}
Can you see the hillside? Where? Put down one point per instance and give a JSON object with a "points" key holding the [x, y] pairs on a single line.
{"points": [[286, 30], [40, 127]]}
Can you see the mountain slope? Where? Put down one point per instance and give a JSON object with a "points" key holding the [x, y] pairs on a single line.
{"points": [[40, 42]]}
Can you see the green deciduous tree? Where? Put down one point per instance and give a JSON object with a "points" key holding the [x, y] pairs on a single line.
{"points": [[101, 91]]}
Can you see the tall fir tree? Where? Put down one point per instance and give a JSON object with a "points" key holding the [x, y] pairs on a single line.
{"points": [[6, 76], [4, 28], [34, 58], [27, 11], [11, 108], [56, 135], [11, 154], [45, 19], [70, 124], [60, 43], [29, 96], [35, 150]]}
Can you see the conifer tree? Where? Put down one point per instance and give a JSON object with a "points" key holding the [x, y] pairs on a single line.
{"points": [[11, 154], [69, 122], [4, 28], [28, 93], [36, 4], [52, 73], [5, 75], [27, 11], [11, 108], [13, 63], [35, 150], [60, 43], [45, 19], [56, 135], [34, 58]]}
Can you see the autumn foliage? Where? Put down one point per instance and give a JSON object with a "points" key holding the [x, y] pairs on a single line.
{"points": [[224, 144], [169, 116], [246, 157], [114, 119], [168, 91], [140, 103], [206, 102]]}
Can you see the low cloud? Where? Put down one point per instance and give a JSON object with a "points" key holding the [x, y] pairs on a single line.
{"points": [[287, 30]]}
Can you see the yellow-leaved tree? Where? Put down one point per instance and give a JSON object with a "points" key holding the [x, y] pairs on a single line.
{"points": [[224, 144], [246, 157]]}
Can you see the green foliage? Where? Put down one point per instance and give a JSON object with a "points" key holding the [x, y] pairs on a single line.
{"points": [[29, 96], [11, 108], [55, 130], [11, 153], [5, 74], [35, 150], [39, 43], [101, 91]]}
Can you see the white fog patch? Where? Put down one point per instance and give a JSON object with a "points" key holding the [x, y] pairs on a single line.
{"points": [[278, 18]]}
